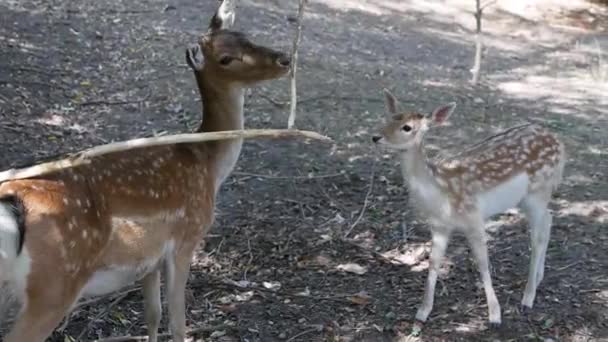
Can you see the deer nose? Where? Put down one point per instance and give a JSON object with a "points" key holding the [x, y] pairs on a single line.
{"points": [[284, 60], [376, 138]]}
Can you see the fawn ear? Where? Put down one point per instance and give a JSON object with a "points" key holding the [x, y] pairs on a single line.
{"points": [[390, 101], [195, 58], [224, 17], [442, 113]]}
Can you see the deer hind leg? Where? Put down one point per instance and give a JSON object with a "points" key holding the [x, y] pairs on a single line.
{"points": [[152, 303], [477, 240], [440, 243], [177, 270], [540, 220]]}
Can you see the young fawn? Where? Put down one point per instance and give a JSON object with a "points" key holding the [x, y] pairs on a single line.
{"points": [[93, 229], [519, 167]]}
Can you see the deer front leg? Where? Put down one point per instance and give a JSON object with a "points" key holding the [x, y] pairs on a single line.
{"points": [[178, 267], [152, 304], [439, 245], [477, 241]]}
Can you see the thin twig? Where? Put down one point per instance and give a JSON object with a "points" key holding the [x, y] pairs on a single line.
{"points": [[278, 104], [248, 174], [46, 72], [85, 157], [109, 103], [97, 299], [294, 66], [567, 266], [487, 4], [229, 283], [315, 328], [366, 200], [90, 301], [101, 314], [193, 331]]}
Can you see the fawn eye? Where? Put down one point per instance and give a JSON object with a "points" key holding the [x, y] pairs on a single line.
{"points": [[406, 128], [226, 60]]}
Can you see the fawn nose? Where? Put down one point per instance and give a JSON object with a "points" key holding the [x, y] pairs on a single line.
{"points": [[376, 138], [284, 61]]}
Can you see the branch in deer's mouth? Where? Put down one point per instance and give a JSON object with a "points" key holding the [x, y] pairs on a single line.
{"points": [[84, 157]]}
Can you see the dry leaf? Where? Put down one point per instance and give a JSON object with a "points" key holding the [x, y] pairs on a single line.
{"points": [[411, 257], [352, 268], [217, 334], [272, 285], [322, 260], [304, 293], [243, 297], [361, 298]]}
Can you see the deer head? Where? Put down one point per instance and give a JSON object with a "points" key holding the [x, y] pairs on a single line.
{"points": [[222, 54], [406, 130]]}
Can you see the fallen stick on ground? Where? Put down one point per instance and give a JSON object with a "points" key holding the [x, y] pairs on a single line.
{"points": [[84, 157]]}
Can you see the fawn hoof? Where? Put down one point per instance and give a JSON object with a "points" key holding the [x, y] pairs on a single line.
{"points": [[527, 302], [525, 310], [494, 325], [495, 319], [422, 314]]}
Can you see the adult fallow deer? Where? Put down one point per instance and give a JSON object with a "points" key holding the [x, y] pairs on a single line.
{"points": [[93, 229]]}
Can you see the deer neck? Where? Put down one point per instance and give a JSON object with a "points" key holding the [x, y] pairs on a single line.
{"points": [[418, 173], [222, 111]]}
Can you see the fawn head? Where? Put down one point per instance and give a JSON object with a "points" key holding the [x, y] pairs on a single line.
{"points": [[229, 56], [406, 130]]}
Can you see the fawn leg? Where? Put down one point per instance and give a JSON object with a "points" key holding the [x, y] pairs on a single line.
{"points": [[440, 243]]}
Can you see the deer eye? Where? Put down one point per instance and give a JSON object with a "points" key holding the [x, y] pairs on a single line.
{"points": [[406, 128], [226, 60]]}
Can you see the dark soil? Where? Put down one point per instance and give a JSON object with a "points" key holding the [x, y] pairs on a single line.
{"points": [[74, 74]]}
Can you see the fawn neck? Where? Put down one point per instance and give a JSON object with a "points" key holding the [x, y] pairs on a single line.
{"points": [[414, 165], [418, 173], [222, 110]]}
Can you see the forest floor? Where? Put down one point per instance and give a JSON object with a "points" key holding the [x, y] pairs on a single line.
{"points": [[78, 73]]}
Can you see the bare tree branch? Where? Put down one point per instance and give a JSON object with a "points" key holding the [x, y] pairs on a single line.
{"points": [[487, 4], [478, 45], [294, 66], [84, 157], [479, 8]]}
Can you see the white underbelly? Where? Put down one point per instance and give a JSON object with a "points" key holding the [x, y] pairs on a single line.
{"points": [[503, 197], [115, 277]]}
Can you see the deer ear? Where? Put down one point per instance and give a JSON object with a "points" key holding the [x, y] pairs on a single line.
{"points": [[224, 17], [442, 113], [391, 102], [195, 58]]}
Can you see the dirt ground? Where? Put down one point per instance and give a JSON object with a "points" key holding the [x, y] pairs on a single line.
{"points": [[78, 73]]}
